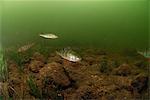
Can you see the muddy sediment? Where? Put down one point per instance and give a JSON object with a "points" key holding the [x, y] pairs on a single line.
{"points": [[99, 75]]}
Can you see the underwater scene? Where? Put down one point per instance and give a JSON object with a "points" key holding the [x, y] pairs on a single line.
{"points": [[74, 49]]}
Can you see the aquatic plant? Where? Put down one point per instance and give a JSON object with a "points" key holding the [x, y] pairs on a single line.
{"points": [[3, 77], [104, 66], [19, 58], [4, 90], [3, 68], [33, 87], [115, 63]]}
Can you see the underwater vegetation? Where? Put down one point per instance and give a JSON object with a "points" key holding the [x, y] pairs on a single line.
{"points": [[3, 68], [99, 75], [33, 87], [3, 77], [104, 66], [19, 59]]}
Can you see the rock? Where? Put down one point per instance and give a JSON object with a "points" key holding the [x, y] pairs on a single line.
{"points": [[37, 56], [139, 83], [123, 70], [56, 72], [35, 66]]}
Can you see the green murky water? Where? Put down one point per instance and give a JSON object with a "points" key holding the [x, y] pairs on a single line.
{"points": [[43, 73], [100, 23]]}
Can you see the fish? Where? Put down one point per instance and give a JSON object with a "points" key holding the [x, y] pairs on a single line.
{"points": [[145, 53], [69, 54], [25, 47], [48, 35]]}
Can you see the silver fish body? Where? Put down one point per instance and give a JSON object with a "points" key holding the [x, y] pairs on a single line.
{"points": [[48, 35], [69, 55]]}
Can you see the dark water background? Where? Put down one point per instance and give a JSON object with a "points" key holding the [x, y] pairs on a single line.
{"points": [[99, 23]]}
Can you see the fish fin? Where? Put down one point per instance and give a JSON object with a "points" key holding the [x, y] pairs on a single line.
{"points": [[67, 49], [58, 53], [139, 52]]}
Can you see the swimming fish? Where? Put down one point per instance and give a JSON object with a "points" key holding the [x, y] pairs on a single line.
{"points": [[69, 55], [48, 35], [145, 53], [25, 47]]}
